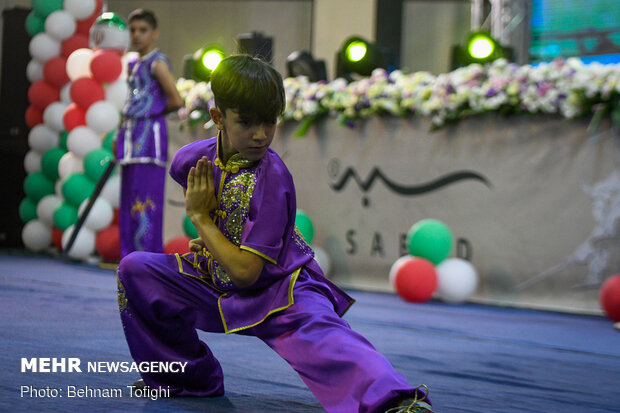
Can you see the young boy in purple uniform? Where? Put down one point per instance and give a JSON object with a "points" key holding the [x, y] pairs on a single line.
{"points": [[250, 271], [142, 142]]}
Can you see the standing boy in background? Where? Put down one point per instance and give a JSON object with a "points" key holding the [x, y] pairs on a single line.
{"points": [[142, 142]]}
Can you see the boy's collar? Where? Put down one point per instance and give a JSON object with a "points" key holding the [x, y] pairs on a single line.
{"points": [[149, 54], [236, 161]]}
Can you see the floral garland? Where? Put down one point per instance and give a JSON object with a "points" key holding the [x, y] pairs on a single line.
{"points": [[568, 88]]}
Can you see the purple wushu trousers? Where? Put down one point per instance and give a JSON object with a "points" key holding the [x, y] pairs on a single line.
{"points": [[163, 299]]}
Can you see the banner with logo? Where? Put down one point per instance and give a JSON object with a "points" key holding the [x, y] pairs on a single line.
{"points": [[532, 202]]}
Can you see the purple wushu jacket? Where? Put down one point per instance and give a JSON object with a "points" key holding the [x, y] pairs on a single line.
{"points": [[256, 212]]}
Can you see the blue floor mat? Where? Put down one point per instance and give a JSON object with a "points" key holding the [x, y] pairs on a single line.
{"points": [[474, 358]]}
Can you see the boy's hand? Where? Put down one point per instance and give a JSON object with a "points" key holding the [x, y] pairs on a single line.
{"points": [[196, 245], [200, 194]]}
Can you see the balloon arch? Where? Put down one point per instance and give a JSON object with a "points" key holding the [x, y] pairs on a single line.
{"points": [[78, 88]]}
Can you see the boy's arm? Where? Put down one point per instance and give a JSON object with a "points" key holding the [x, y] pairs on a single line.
{"points": [[243, 267], [168, 84]]}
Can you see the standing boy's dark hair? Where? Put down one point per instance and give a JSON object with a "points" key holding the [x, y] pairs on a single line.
{"points": [[142, 14], [250, 86]]}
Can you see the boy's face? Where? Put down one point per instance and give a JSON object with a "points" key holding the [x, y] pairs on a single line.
{"points": [[143, 36], [244, 135]]}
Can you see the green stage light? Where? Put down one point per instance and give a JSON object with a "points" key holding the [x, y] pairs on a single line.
{"points": [[212, 58], [204, 61], [481, 46], [359, 57], [356, 50]]}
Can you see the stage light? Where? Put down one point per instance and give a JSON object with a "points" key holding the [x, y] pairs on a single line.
{"points": [[479, 47], [358, 56], [204, 61], [301, 63], [212, 58], [256, 45], [356, 51]]}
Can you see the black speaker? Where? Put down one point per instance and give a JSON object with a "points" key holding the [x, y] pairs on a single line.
{"points": [[13, 129], [256, 45]]}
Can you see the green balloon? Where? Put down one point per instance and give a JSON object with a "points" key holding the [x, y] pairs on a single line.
{"points": [[109, 140], [49, 162], [430, 239], [77, 188], [27, 210], [96, 162], [46, 7], [37, 185], [65, 215], [304, 224], [189, 228], [35, 24], [62, 141]]}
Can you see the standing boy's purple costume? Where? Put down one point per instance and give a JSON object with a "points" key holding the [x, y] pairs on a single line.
{"points": [[292, 307], [142, 150]]}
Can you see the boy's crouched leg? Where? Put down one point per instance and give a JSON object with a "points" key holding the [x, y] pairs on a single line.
{"points": [[159, 311]]}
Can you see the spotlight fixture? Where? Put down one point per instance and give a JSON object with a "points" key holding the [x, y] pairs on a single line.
{"points": [[256, 45], [358, 56], [301, 63], [479, 47], [200, 65]]}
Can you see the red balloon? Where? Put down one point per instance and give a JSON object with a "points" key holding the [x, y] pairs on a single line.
{"points": [[106, 66], [77, 41], [33, 116], [74, 116], [416, 280], [108, 243], [55, 72], [83, 26], [57, 238], [116, 214], [86, 91], [609, 297], [41, 94], [177, 245]]}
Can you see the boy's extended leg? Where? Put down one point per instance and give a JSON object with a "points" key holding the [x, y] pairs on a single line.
{"points": [[159, 311], [341, 368]]}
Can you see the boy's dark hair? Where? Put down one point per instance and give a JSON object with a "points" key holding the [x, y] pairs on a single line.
{"points": [[250, 86], [142, 14]]}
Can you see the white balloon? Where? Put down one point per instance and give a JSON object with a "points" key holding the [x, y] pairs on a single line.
{"points": [[34, 70], [111, 37], [60, 25], [111, 191], [43, 47], [41, 138], [58, 187], [69, 164], [394, 268], [322, 258], [84, 244], [116, 93], [65, 93], [36, 235], [457, 280], [78, 64], [82, 140], [32, 162], [102, 117], [80, 9], [53, 115], [46, 208], [100, 215]]}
